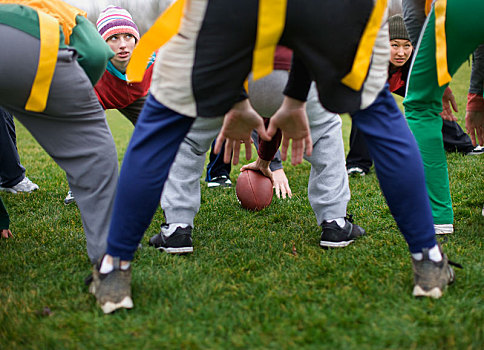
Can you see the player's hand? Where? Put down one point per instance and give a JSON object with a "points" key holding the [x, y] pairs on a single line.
{"points": [[260, 165], [281, 184], [475, 126], [236, 129], [291, 118], [6, 233], [448, 101]]}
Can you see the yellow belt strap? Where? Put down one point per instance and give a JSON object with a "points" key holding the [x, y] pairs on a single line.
{"points": [[270, 24], [49, 46], [355, 78], [443, 75], [165, 27]]}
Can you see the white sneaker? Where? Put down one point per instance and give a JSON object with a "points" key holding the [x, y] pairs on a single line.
{"points": [[69, 198], [476, 151], [444, 229], [25, 185]]}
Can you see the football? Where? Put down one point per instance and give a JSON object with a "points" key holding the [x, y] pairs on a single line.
{"points": [[253, 190]]}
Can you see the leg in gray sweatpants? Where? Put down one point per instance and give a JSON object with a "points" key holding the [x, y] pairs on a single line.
{"points": [[328, 182], [72, 129], [180, 200]]}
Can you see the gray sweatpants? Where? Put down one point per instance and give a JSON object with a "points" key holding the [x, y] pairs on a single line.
{"points": [[328, 189], [72, 129]]}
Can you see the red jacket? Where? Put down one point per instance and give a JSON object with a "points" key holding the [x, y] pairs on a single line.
{"points": [[115, 93]]}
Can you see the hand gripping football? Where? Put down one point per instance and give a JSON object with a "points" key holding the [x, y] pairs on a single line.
{"points": [[253, 190]]}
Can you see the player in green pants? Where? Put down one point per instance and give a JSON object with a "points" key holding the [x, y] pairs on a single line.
{"points": [[464, 31]]}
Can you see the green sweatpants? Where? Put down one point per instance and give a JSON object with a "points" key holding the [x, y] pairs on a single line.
{"points": [[464, 29]]}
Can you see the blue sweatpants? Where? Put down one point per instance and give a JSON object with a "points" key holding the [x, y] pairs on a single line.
{"points": [[157, 136], [399, 169]]}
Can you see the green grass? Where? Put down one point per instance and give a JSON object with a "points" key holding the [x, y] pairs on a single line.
{"points": [[243, 287]]}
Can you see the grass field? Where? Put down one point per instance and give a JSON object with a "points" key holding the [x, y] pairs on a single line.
{"points": [[255, 280]]}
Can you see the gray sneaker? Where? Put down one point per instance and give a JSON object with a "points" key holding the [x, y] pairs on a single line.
{"points": [[112, 290], [431, 277]]}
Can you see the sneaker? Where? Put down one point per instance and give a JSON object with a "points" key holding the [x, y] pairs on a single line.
{"points": [[476, 151], [112, 290], [220, 181], [69, 198], [334, 236], [177, 242], [430, 277], [25, 185], [356, 171], [444, 229]]}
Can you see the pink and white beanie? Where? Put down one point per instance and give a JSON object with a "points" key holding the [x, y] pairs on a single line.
{"points": [[116, 20]]}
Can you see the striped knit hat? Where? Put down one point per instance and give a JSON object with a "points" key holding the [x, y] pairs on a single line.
{"points": [[116, 20]]}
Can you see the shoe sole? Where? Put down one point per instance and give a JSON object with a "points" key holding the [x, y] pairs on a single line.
{"points": [[181, 250], [218, 185], [328, 244], [109, 307], [68, 201], [11, 190], [8, 190], [435, 293]]}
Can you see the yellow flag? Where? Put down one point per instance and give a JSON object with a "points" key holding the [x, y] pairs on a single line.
{"points": [[355, 78], [443, 75], [49, 47], [162, 30], [270, 24]]}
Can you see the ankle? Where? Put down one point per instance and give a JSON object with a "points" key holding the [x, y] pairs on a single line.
{"points": [[107, 264], [434, 254]]}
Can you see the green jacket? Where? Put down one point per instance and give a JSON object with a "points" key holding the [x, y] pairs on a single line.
{"points": [[93, 52]]}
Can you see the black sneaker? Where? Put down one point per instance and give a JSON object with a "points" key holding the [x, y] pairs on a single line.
{"points": [[179, 242], [334, 236], [219, 181]]}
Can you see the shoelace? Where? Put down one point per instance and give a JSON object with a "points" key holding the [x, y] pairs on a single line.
{"points": [[455, 264]]}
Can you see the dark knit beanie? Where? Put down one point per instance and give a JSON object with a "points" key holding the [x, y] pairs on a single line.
{"points": [[397, 29]]}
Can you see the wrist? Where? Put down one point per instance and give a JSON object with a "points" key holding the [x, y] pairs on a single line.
{"points": [[293, 103], [262, 163]]}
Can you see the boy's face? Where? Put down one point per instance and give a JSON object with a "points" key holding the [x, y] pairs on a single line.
{"points": [[400, 51], [122, 45]]}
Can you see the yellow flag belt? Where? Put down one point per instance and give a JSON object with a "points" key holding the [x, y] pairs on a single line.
{"points": [[271, 20], [443, 75], [355, 78], [162, 30], [49, 46]]}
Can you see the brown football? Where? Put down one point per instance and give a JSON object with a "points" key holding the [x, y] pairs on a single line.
{"points": [[253, 190]]}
